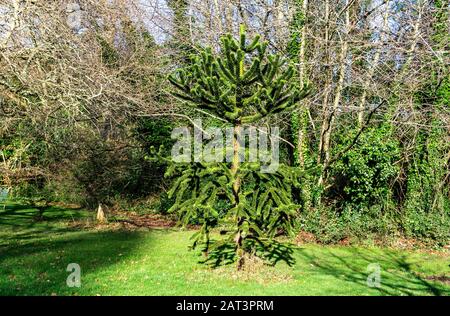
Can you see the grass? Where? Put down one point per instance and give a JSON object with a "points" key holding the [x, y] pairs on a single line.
{"points": [[34, 256]]}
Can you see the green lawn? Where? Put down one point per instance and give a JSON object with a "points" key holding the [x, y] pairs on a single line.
{"points": [[34, 256]]}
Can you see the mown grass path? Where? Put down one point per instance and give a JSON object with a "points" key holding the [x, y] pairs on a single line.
{"points": [[34, 256]]}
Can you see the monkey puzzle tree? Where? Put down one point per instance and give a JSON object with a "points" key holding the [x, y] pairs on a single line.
{"points": [[242, 84]]}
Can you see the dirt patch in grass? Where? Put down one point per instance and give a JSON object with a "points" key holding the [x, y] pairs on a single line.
{"points": [[123, 220], [71, 206], [149, 221], [305, 238], [440, 278]]}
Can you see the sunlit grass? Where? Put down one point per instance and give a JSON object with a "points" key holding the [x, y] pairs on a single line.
{"points": [[34, 256]]}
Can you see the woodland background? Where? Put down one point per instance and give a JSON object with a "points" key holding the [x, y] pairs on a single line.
{"points": [[84, 96]]}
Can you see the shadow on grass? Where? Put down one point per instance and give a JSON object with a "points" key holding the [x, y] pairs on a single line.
{"points": [[27, 215], [224, 253], [397, 276], [34, 255], [22, 222], [38, 267]]}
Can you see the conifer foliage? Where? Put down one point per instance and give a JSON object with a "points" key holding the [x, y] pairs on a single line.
{"points": [[242, 84]]}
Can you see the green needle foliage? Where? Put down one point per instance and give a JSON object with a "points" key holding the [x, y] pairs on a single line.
{"points": [[242, 84]]}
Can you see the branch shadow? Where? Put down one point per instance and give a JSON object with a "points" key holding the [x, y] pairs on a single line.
{"points": [[397, 274], [21, 222], [224, 253], [34, 255], [23, 215]]}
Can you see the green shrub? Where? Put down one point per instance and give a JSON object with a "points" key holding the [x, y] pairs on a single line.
{"points": [[363, 176], [427, 206]]}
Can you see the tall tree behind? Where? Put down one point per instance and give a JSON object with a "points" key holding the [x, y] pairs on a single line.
{"points": [[428, 194], [180, 41], [296, 49]]}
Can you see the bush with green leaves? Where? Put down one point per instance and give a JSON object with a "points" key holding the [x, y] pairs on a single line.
{"points": [[242, 84], [427, 206], [363, 175]]}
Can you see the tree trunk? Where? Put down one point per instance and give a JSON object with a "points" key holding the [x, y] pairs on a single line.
{"points": [[302, 143], [236, 188], [372, 67], [325, 123], [218, 16], [329, 121]]}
